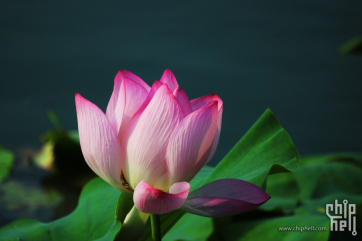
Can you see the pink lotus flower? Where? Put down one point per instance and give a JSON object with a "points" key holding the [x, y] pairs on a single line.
{"points": [[153, 141]]}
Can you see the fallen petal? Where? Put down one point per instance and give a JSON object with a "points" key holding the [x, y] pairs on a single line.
{"points": [[225, 197]]}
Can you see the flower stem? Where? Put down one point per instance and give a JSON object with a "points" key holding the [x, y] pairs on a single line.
{"points": [[156, 227]]}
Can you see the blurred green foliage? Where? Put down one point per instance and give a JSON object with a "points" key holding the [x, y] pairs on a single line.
{"points": [[202, 228], [6, 163], [352, 46]]}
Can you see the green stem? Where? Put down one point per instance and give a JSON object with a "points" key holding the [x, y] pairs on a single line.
{"points": [[156, 227]]}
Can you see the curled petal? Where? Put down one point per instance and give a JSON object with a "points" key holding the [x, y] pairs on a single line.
{"points": [[169, 78], [205, 100], [148, 199], [191, 143], [99, 142], [146, 140], [225, 197]]}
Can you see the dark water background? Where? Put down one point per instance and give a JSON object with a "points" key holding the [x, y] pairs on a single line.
{"points": [[253, 54]]}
